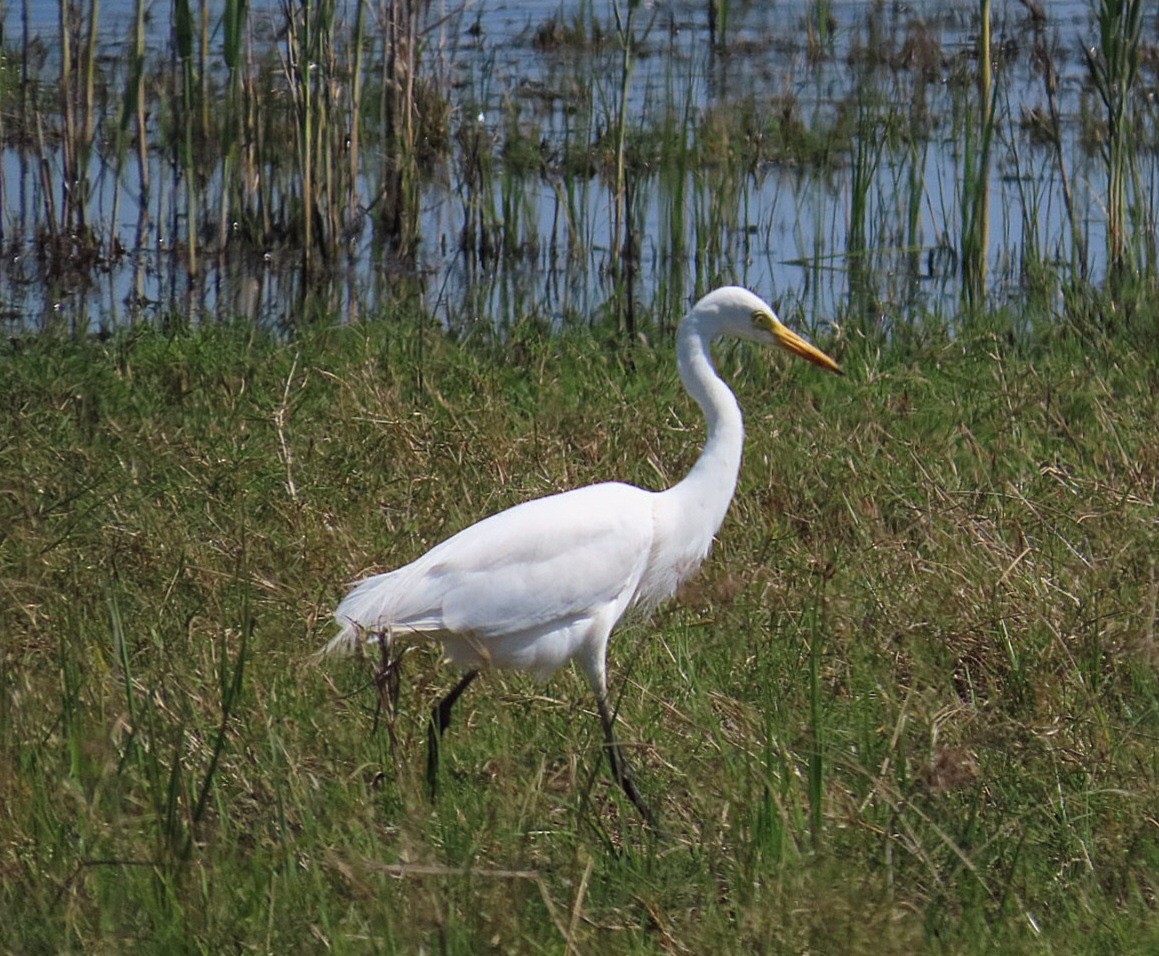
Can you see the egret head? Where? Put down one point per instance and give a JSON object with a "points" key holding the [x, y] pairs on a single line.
{"points": [[746, 316]]}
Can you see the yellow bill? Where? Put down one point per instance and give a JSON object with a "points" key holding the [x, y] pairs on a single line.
{"points": [[790, 341]]}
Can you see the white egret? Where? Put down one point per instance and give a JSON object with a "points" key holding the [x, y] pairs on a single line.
{"points": [[544, 582]]}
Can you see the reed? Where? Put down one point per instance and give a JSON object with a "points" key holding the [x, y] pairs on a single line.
{"points": [[625, 250], [1113, 66], [915, 195], [5, 73], [88, 119], [183, 48], [673, 197], [1044, 58], [234, 130], [69, 158], [399, 196], [869, 145], [132, 116], [1034, 270], [820, 26], [79, 33], [667, 170], [306, 42], [717, 24], [479, 234], [324, 69], [357, 79], [975, 196]]}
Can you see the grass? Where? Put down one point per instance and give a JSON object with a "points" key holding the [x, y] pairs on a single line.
{"points": [[911, 703]]}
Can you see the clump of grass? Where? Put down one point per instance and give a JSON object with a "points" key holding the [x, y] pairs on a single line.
{"points": [[910, 703], [582, 33], [750, 131]]}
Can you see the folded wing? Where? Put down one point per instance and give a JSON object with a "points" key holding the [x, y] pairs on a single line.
{"points": [[542, 564]]}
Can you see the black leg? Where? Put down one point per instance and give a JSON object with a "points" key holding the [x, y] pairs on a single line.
{"points": [[440, 721], [620, 769]]}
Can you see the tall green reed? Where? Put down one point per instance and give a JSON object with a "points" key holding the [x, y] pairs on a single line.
{"points": [[1113, 66], [183, 46], [1034, 270], [3, 139], [307, 42], [672, 194], [975, 190], [399, 196], [718, 24], [325, 71], [520, 156], [133, 111], [868, 149], [77, 87], [479, 235], [235, 128], [625, 252], [355, 124], [72, 240], [1044, 59], [820, 24], [915, 194]]}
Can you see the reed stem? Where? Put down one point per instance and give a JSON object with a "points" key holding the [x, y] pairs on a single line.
{"points": [[1114, 67], [976, 179], [623, 261]]}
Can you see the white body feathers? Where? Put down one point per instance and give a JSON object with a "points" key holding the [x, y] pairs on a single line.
{"points": [[544, 582]]}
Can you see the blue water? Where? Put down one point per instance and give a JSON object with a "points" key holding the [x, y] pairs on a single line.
{"points": [[783, 231]]}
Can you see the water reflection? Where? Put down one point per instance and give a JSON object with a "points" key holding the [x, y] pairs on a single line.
{"points": [[849, 210]]}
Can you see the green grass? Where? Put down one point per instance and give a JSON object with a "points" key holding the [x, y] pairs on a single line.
{"points": [[910, 704]]}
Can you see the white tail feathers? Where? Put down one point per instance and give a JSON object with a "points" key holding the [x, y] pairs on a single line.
{"points": [[347, 641], [360, 616]]}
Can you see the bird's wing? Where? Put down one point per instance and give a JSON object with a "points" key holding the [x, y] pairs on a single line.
{"points": [[554, 559]]}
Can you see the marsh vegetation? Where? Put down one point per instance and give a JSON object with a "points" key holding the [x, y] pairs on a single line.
{"points": [[911, 702], [860, 163], [290, 296]]}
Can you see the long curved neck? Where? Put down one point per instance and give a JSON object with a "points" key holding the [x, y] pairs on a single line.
{"points": [[708, 488]]}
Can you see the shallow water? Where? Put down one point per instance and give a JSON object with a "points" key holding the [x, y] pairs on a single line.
{"points": [[782, 228]]}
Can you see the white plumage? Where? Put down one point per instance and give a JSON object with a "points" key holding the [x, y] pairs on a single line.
{"points": [[509, 592], [544, 582]]}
